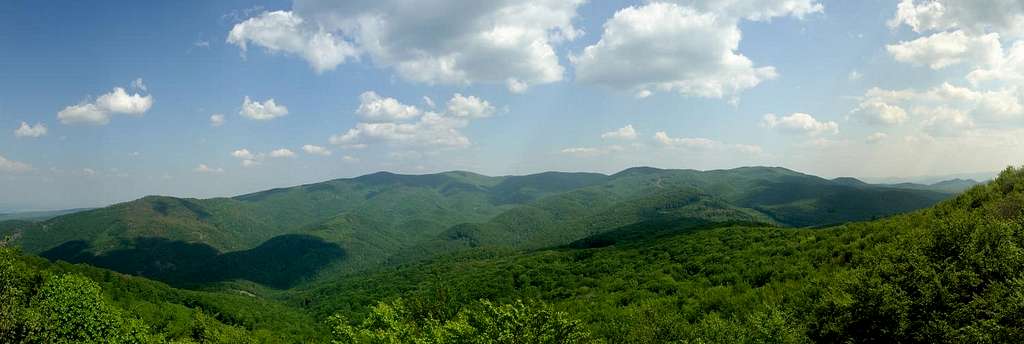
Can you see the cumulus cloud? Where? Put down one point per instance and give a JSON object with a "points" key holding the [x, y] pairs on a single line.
{"points": [[875, 112], [99, 112], [11, 166], [583, 151], [943, 121], [700, 144], [285, 32], [264, 111], [756, 10], [876, 137], [880, 106], [203, 168], [692, 51], [624, 133], [697, 143], [1008, 67], [282, 153], [217, 120], [471, 107], [800, 123], [977, 17], [26, 130], [316, 150], [374, 108], [429, 130], [447, 42], [243, 154], [248, 158], [945, 49]]}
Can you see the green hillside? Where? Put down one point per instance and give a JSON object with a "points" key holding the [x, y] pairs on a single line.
{"points": [[950, 273], [946, 274], [349, 225]]}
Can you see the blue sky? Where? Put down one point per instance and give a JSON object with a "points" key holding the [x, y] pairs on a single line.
{"points": [[126, 91]]}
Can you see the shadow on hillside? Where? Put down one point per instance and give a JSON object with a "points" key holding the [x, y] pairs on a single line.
{"points": [[280, 262]]}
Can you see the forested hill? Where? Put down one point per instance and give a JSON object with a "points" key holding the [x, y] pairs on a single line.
{"points": [[950, 273], [347, 225]]}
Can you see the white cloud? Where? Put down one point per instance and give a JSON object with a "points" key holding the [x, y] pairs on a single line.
{"points": [[429, 130], [264, 111], [1008, 67], [624, 133], [945, 49], [670, 48], [11, 166], [375, 108], [976, 17], [349, 158], [117, 101], [316, 150], [26, 130], [446, 42], [217, 120], [880, 106], [801, 123], [243, 154], [685, 142], [583, 151], [879, 113], [286, 32], [945, 121], [248, 158], [854, 75], [202, 168], [469, 107], [756, 10], [876, 137], [282, 153], [83, 113], [429, 102]]}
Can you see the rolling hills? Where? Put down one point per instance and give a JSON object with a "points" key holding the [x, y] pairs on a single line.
{"points": [[347, 225], [692, 267]]}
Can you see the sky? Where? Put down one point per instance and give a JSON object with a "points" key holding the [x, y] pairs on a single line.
{"points": [[103, 102]]}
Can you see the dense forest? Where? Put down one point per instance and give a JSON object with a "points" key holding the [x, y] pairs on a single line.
{"points": [[644, 256]]}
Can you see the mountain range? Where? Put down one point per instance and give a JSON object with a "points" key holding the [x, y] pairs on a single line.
{"points": [[349, 225], [747, 255]]}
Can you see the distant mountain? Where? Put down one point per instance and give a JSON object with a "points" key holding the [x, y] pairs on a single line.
{"points": [[346, 225], [41, 215], [947, 186]]}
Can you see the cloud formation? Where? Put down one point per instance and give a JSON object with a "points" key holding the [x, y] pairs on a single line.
{"points": [[445, 42], [203, 168], [217, 120], [800, 123], [624, 133], [386, 120], [26, 130], [11, 166], [316, 150], [688, 48], [99, 112], [265, 111]]}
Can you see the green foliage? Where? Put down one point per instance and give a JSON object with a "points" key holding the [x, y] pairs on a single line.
{"points": [[42, 302], [483, 322], [372, 221], [643, 256]]}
